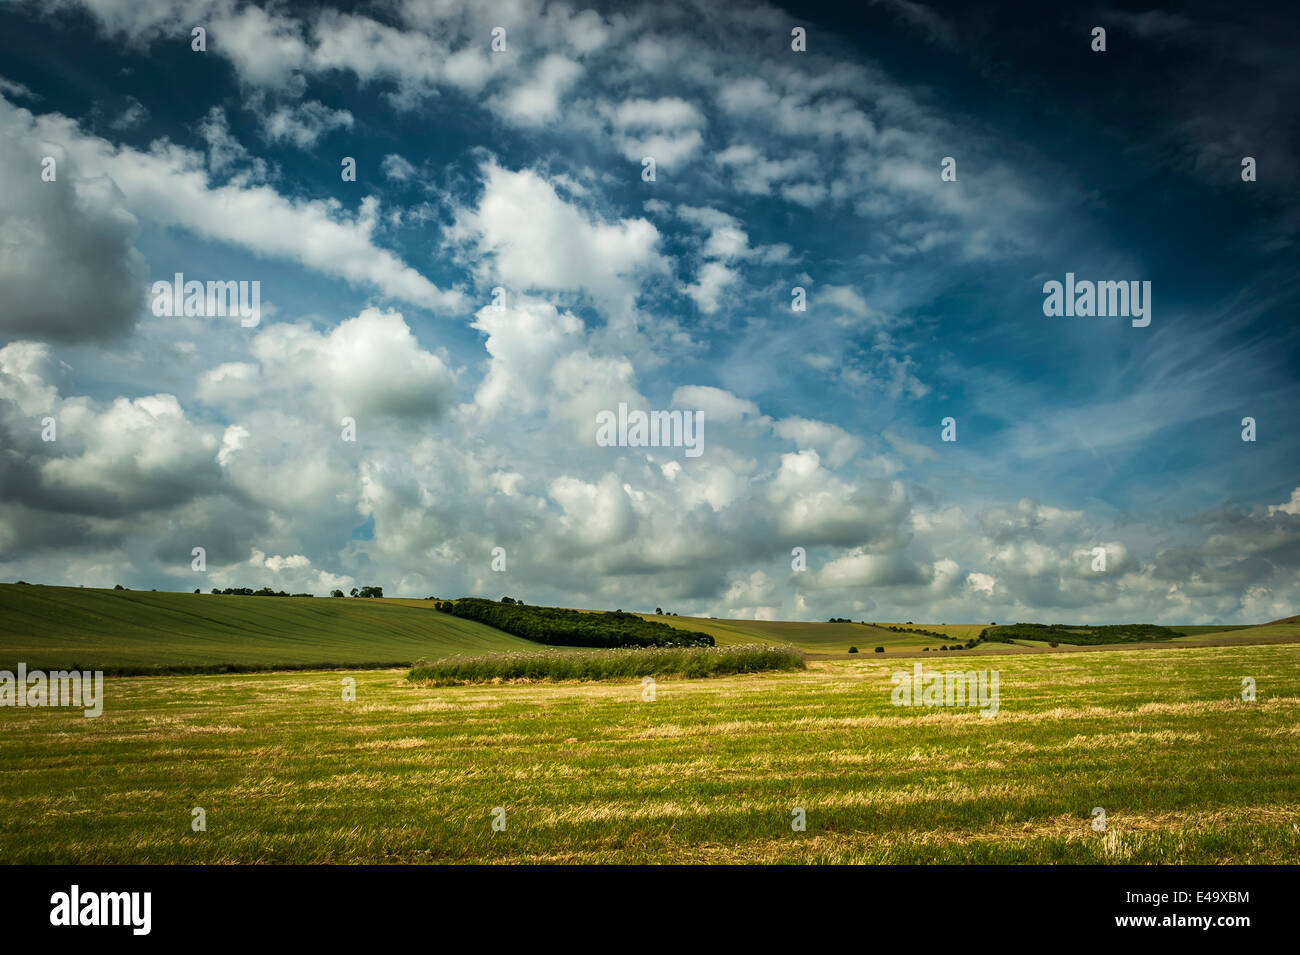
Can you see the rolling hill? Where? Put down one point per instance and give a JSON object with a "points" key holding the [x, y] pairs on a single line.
{"points": [[836, 638], [131, 631], [128, 631]]}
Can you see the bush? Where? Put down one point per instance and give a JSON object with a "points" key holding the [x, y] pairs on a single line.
{"points": [[853, 649], [880, 649], [553, 665]]}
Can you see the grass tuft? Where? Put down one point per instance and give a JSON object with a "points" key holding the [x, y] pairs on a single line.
{"points": [[553, 665]]}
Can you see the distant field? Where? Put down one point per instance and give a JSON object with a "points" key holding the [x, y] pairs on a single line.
{"points": [[835, 638], [709, 772], [815, 637], [52, 627], [1264, 633], [961, 631], [126, 630]]}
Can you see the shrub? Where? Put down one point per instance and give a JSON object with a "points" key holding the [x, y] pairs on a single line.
{"points": [[880, 649], [853, 649], [624, 663]]}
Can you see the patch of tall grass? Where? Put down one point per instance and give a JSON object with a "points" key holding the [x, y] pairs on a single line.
{"points": [[553, 665]]}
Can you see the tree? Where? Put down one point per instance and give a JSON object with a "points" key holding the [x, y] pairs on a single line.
{"points": [[354, 591], [196, 590], [659, 610], [336, 593]]}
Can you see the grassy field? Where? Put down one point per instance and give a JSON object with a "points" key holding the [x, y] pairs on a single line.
{"points": [[53, 627], [131, 630], [287, 771], [836, 638]]}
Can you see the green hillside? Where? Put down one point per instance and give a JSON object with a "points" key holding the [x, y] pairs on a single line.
{"points": [[838, 637], [129, 630]]}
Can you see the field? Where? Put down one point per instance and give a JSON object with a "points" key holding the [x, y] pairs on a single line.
{"points": [[836, 638], [288, 771], [53, 627], [814, 637]]}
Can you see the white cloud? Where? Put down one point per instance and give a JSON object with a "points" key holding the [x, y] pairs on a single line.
{"points": [[169, 187], [537, 241]]}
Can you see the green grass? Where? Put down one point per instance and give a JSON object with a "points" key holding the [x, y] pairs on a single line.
{"points": [[289, 772], [836, 638], [1275, 632], [131, 631], [126, 631], [683, 662]]}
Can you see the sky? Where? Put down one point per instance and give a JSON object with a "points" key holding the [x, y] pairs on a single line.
{"points": [[416, 405]]}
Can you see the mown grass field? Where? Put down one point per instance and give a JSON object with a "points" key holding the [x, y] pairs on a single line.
{"points": [[287, 771], [59, 627]]}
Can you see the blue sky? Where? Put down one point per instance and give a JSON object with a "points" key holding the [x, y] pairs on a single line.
{"points": [[522, 169]]}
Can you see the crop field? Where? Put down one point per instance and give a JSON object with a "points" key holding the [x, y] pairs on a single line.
{"points": [[287, 770], [66, 627]]}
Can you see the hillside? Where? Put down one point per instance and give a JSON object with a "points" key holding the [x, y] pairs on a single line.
{"points": [[130, 630], [838, 637], [137, 631], [814, 637]]}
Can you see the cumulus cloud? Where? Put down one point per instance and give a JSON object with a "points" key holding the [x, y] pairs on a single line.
{"points": [[534, 240], [368, 365], [69, 266], [168, 186]]}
